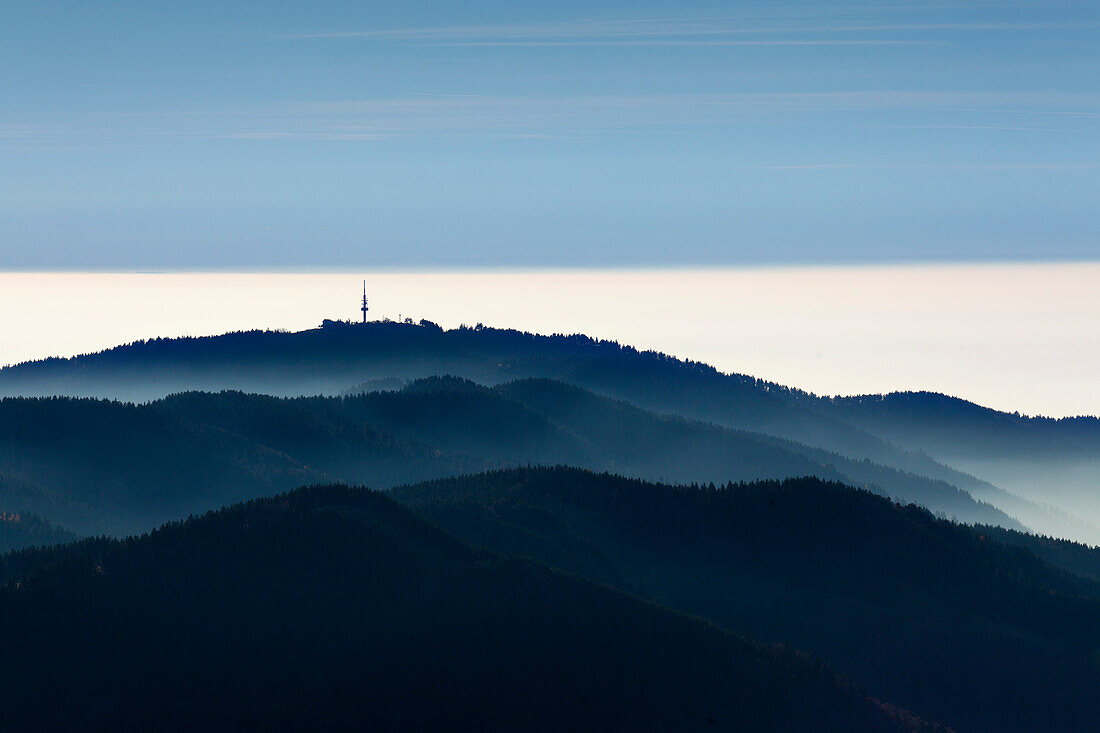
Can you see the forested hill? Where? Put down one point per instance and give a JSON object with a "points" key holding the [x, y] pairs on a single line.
{"points": [[1077, 558], [98, 466], [939, 618], [904, 434], [330, 359], [336, 609], [952, 427], [22, 529]]}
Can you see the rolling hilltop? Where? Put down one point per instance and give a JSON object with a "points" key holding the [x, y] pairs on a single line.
{"points": [[337, 609], [1049, 466], [549, 598], [574, 534], [935, 617], [21, 529], [98, 466]]}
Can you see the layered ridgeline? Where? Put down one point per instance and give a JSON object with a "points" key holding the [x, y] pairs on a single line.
{"points": [[98, 466], [1053, 468], [939, 618], [22, 529], [337, 609], [1045, 460]]}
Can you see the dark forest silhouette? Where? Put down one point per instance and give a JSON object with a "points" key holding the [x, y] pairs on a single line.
{"points": [[101, 466], [336, 609], [929, 435], [576, 535], [939, 618]]}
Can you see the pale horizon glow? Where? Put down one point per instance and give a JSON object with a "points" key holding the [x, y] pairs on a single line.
{"points": [[1015, 337]]}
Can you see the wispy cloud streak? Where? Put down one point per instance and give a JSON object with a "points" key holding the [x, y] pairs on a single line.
{"points": [[699, 42], [673, 32], [929, 166], [573, 118]]}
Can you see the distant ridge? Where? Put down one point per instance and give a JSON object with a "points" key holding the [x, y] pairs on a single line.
{"points": [[107, 467], [904, 433], [24, 529]]}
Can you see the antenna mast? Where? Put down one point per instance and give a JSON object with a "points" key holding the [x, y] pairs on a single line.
{"points": [[364, 308]]}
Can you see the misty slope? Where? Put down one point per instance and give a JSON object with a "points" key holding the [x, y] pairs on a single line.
{"points": [[330, 359], [1053, 462], [950, 427], [20, 529], [98, 466], [981, 635], [337, 609], [1075, 557], [675, 449]]}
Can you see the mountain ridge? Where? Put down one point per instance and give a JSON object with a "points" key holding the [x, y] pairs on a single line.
{"points": [[944, 619], [329, 359], [338, 609], [101, 466]]}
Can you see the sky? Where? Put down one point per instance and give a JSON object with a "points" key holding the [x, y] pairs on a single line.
{"points": [[212, 135]]}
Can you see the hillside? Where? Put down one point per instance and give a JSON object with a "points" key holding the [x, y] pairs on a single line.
{"points": [[1072, 556], [336, 609], [1058, 491], [1053, 462], [328, 360], [934, 616], [21, 529], [668, 448], [98, 466], [955, 428]]}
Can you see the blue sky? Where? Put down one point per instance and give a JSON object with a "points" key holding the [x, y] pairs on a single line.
{"points": [[247, 135]]}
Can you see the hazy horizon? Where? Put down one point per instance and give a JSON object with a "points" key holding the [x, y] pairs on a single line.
{"points": [[792, 150], [1015, 337]]}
